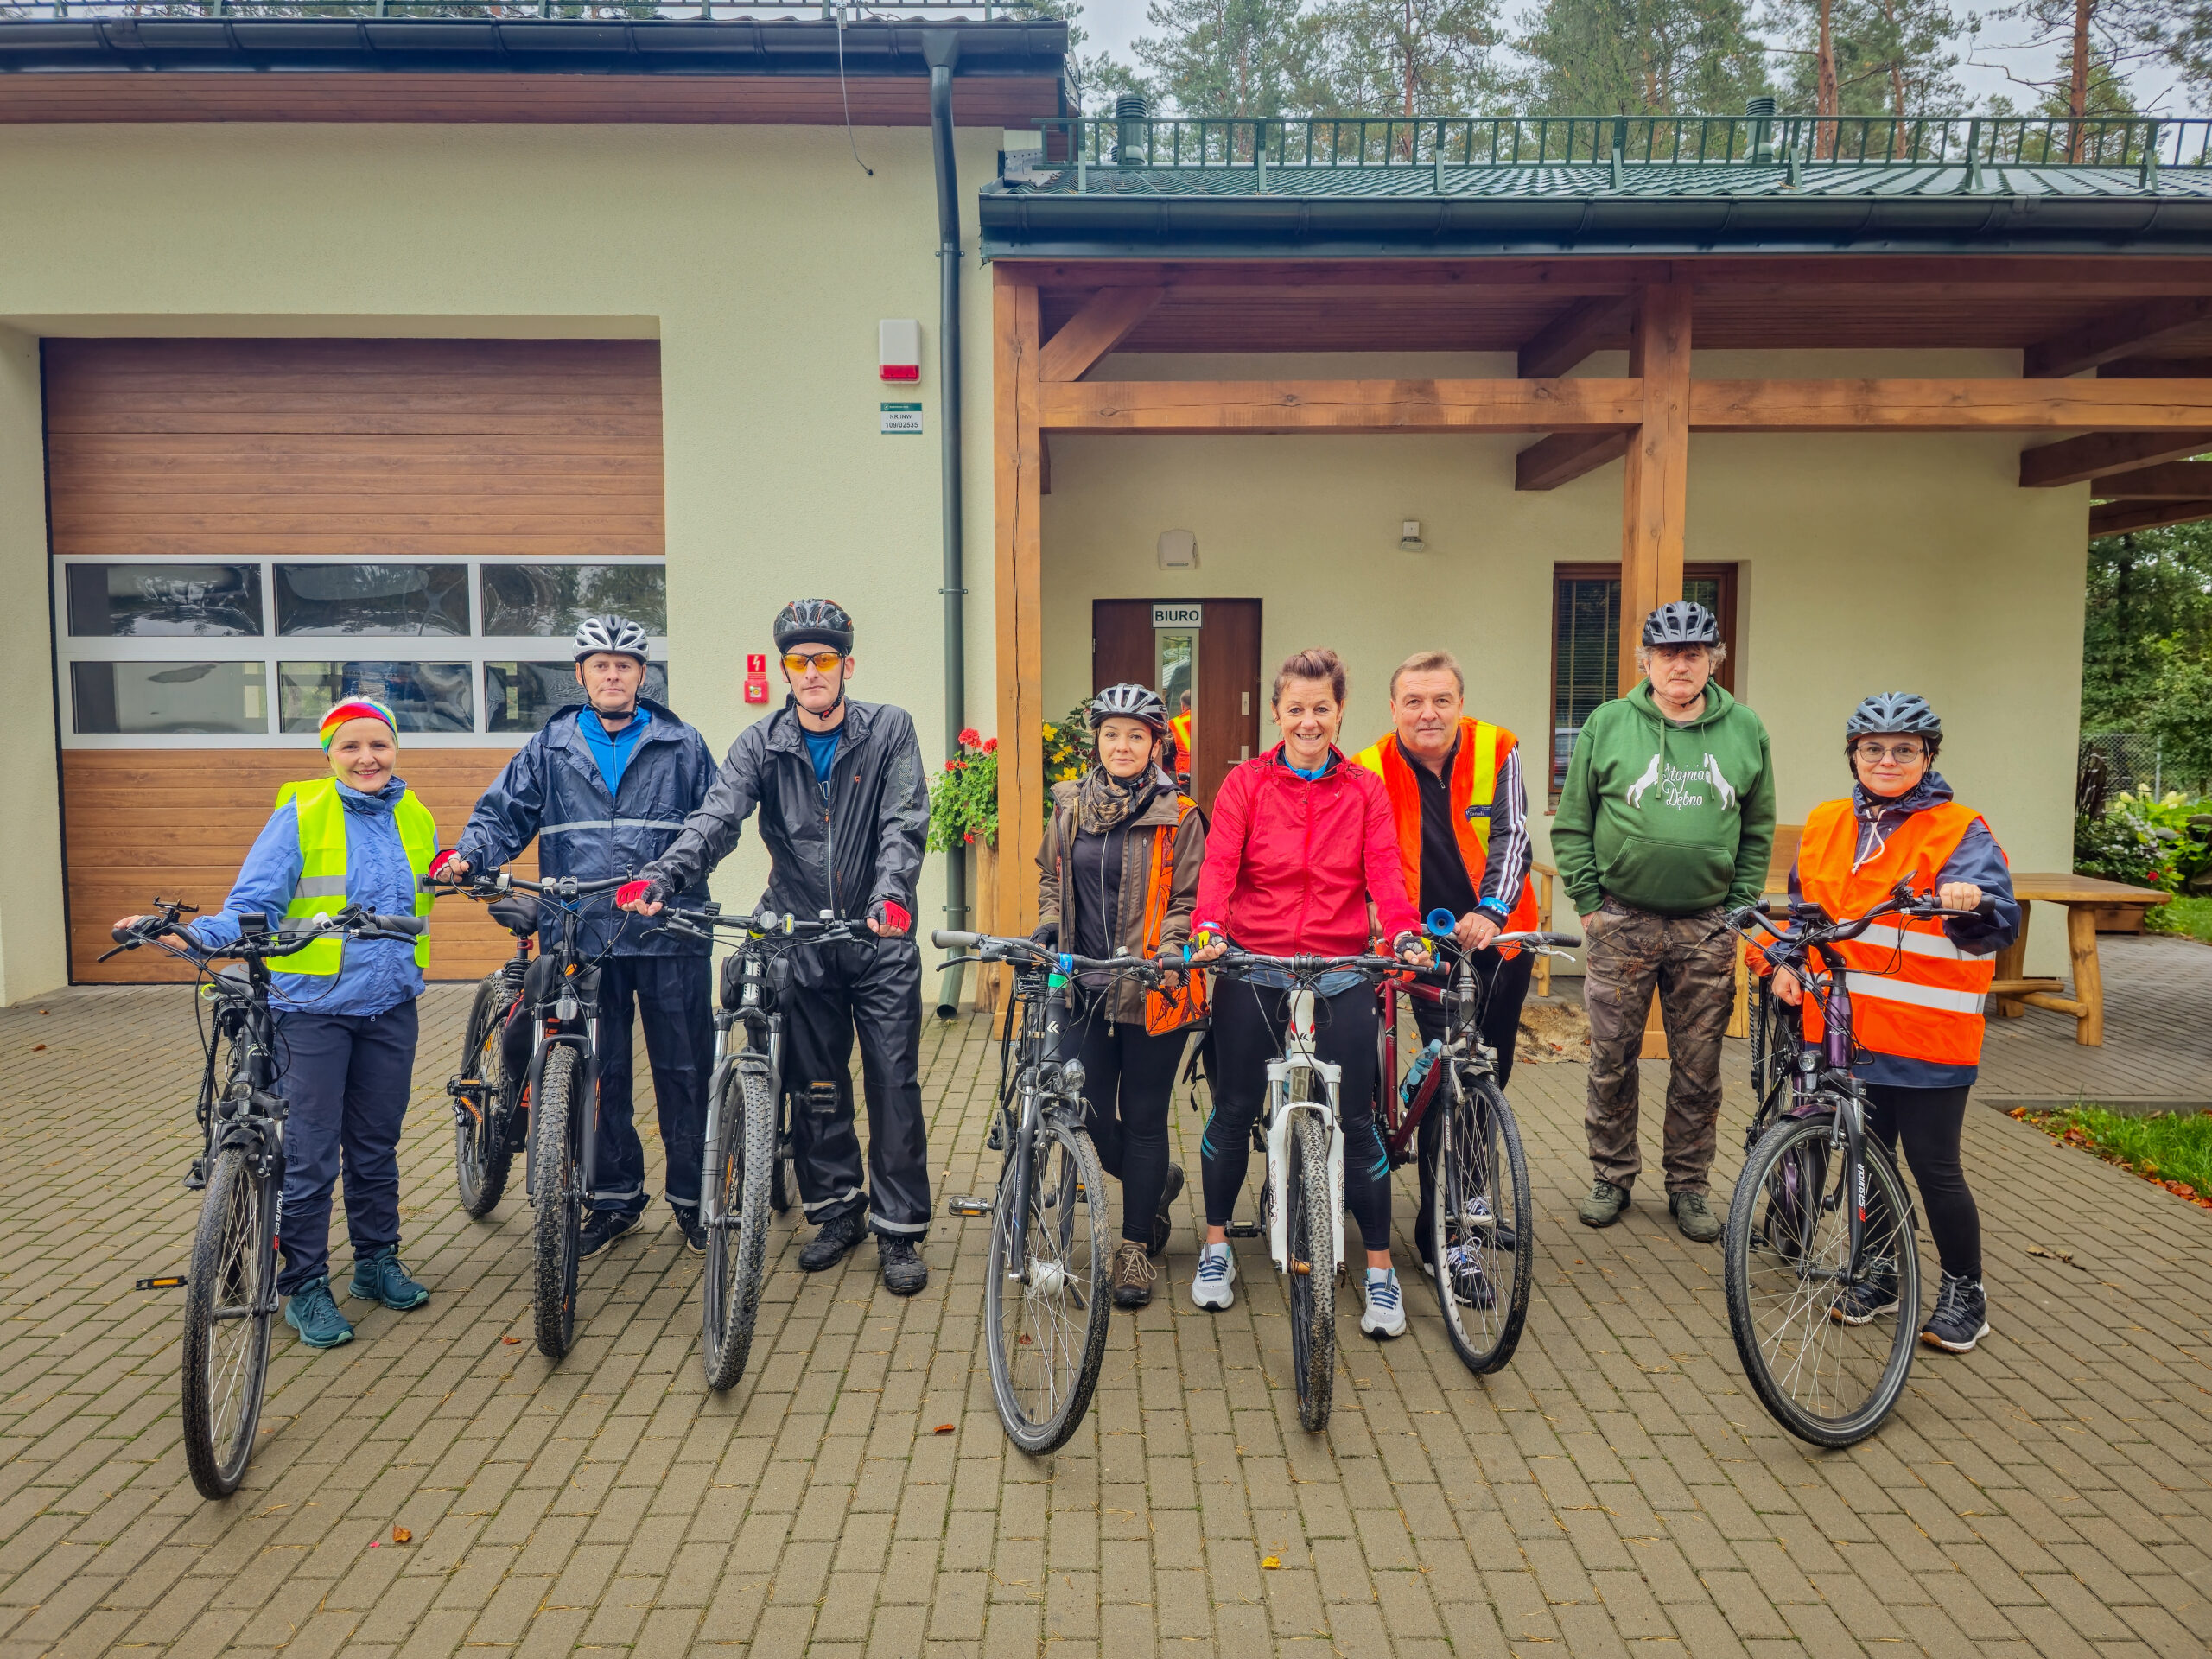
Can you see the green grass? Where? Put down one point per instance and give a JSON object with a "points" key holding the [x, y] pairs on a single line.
{"points": [[2191, 917], [2163, 1147]]}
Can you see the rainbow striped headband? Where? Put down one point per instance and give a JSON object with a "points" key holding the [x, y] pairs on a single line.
{"points": [[354, 709]]}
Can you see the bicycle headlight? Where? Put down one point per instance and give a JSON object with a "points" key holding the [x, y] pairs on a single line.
{"points": [[1071, 1076]]}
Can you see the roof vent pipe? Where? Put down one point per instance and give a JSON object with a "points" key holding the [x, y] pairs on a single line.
{"points": [[1130, 113], [1759, 112]]}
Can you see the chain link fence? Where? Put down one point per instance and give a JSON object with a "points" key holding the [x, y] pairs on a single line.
{"points": [[2110, 762]]}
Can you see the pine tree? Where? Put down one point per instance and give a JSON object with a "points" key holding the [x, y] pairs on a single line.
{"points": [[2097, 41], [1881, 58], [1411, 57], [1230, 57], [1642, 57]]}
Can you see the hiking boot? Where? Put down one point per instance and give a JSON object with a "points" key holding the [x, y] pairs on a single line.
{"points": [[378, 1277], [693, 1226], [1604, 1206], [1695, 1217], [1163, 1224], [310, 1311], [1385, 1315], [601, 1228], [1961, 1316], [1214, 1284], [904, 1270], [1133, 1274], [1867, 1300], [832, 1242]]}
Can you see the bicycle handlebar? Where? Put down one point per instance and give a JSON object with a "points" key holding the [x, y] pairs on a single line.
{"points": [[491, 883], [996, 948], [1820, 929], [700, 924]]}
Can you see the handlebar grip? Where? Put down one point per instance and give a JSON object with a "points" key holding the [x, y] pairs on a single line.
{"points": [[946, 939], [1987, 908], [123, 935], [413, 926], [1564, 941]]}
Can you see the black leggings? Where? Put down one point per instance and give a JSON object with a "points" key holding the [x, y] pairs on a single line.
{"points": [[1128, 1076], [1248, 1029], [1929, 1121]]}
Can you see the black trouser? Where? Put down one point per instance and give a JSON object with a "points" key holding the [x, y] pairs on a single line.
{"points": [[1128, 1076], [673, 996], [1504, 986], [348, 1078], [1929, 1122], [873, 986], [1248, 1021]]}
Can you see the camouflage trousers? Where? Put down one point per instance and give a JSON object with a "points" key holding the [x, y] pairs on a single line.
{"points": [[1691, 962]]}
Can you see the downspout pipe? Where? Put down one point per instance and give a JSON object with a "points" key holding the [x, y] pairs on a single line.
{"points": [[941, 51]]}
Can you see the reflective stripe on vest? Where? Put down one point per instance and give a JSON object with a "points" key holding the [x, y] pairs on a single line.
{"points": [[1162, 1011], [1913, 992], [321, 889], [1473, 790]]}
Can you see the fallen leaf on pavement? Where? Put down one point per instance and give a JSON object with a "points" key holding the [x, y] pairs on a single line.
{"points": [[1269, 1560], [942, 1428], [511, 1341], [401, 1536]]}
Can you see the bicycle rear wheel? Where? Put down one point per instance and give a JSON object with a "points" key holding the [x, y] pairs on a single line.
{"points": [[1787, 1258], [1046, 1302], [737, 1181], [481, 1154], [554, 1116], [1479, 1257], [229, 1295], [783, 1185], [1309, 1221]]}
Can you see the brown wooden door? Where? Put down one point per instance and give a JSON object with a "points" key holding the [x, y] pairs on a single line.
{"points": [[1124, 649]]}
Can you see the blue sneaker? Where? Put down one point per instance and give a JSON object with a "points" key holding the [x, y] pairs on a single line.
{"points": [[310, 1311], [1213, 1286], [378, 1277], [1386, 1304]]}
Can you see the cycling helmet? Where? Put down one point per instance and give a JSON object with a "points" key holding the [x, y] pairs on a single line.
{"points": [[821, 621], [615, 634], [1893, 713], [1130, 702], [1681, 624]]}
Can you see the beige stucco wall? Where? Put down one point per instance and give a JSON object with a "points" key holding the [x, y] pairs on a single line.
{"points": [[763, 258], [1867, 562]]}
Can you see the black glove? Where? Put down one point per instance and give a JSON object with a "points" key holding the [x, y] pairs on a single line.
{"points": [[1046, 934]]}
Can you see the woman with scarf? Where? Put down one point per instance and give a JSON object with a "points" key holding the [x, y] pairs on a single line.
{"points": [[1119, 873]]}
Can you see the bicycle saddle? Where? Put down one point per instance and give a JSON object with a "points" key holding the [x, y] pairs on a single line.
{"points": [[516, 912]]}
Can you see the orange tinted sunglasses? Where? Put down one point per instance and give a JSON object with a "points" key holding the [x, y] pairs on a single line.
{"points": [[821, 660]]}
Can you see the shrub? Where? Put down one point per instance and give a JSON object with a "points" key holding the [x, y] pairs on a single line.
{"points": [[964, 797]]}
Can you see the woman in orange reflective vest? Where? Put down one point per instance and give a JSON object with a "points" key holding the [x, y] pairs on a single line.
{"points": [[1916, 987], [1119, 872]]}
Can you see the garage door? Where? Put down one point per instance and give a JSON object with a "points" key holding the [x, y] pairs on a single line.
{"points": [[245, 531]]}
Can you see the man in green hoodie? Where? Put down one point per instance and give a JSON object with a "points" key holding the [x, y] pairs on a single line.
{"points": [[1664, 826]]}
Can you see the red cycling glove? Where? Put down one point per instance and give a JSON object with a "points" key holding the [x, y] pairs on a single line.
{"points": [[631, 892], [443, 859], [895, 917]]}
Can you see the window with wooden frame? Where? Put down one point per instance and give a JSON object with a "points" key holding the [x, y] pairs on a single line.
{"points": [[1586, 643]]}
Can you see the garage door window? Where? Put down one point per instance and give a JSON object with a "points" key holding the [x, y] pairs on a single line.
{"points": [[371, 598], [519, 696], [163, 601], [548, 601], [167, 698]]}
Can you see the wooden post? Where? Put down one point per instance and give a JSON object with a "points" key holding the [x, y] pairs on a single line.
{"points": [[1017, 470]]}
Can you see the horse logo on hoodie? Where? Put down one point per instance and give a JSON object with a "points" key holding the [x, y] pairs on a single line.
{"points": [[1673, 784]]}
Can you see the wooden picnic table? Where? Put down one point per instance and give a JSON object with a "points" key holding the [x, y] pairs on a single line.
{"points": [[2084, 896]]}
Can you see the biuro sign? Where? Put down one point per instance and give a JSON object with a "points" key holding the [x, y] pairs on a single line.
{"points": [[1176, 616]]}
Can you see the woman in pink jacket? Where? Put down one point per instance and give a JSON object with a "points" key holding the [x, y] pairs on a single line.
{"points": [[1301, 842]]}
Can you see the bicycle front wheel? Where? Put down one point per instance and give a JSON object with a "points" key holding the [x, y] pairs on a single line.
{"points": [[1045, 1300], [481, 1154], [554, 1244], [230, 1294], [1826, 1342], [1310, 1225], [1480, 1244], [737, 1183]]}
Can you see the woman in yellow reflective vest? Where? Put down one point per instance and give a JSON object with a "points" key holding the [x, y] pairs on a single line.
{"points": [[347, 1009]]}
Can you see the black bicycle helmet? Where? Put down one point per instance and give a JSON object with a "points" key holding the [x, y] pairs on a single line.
{"points": [[814, 621], [1130, 702], [1682, 623], [614, 633], [1893, 714]]}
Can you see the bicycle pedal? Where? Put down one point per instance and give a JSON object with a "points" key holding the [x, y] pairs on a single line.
{"points": [[166, 1282], [995, 1141], [1244, 1229], [969, 1208], [196, 1178]]}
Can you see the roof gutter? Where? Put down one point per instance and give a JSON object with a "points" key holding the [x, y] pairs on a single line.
{"points": [[941, 46]]}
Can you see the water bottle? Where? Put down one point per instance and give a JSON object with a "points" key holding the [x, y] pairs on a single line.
{"points": [[1418, 1071]]}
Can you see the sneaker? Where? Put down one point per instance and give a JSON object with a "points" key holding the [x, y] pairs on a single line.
{"points": [[1961, 1316], [904, 1270], [310, 1311], [1695, 1217], [1213, 1286], [1867, 1300], [378, 1277], [692, 1224], [833, 1242], [1163, 1224], [1469, 1287], [603, 1227], [1133, 1274], [1386, 1304], [1604, 1206]]}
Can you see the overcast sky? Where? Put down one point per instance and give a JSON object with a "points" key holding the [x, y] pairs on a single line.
{"points": [[1114, 23]]}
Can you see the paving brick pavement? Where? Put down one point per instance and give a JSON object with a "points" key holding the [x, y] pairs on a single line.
{"points": [[1616, 1490]]}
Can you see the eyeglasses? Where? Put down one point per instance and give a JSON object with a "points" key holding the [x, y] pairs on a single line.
{"points": [[1904, 753], [823, 660]]}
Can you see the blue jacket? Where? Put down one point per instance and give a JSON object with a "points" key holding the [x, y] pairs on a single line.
{"points": [[553, 789], [373, 974]]}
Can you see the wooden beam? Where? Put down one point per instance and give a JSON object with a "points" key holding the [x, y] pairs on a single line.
{"points": [[2122, 333], [2174, 480], [1575, 334], [1259, 406], [1564, 457], [1017, 464], [1655, 482], [2123, 516], [1948, 405], [2100, 454], [1105, 321]]}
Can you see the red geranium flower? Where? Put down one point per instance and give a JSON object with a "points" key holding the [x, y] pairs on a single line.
{"points": [[990, 745], [969, 738]]}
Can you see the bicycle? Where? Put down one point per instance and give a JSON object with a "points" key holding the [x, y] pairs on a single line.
{"points": [[230, 1285], [748, 1127], [1820, 1212], [1483, 1209], [1050, 1233], [554, 1113]]}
